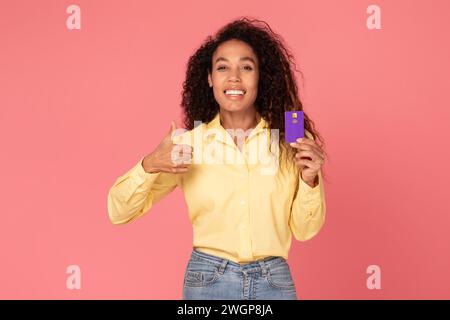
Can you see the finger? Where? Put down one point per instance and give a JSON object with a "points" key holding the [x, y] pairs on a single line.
{"points": [[186, 160], [299, 165], [174, 131], [179, 170], [310, 142], [313, 154], [173, 126], [181, 163], [306, 140], [314, 145], [318, 161], [183, 148], [309, 153], [183, 157], [183, 166], [309, 163], [187, 148], [304, 146]]}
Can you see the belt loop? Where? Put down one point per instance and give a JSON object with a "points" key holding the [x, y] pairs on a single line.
{"points": [[264, 267], [223, 266]]}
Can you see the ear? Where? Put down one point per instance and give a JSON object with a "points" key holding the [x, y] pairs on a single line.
{"points": [[209, 80]]}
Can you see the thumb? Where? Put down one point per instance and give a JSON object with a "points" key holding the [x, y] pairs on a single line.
{"points": [[173, 127], [171, 134]]}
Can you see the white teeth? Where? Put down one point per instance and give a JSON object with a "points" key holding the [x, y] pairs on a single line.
{"points": [[234, 92]]}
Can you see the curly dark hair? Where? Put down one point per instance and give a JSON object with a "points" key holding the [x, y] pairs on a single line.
{"points": [[277, 88]]}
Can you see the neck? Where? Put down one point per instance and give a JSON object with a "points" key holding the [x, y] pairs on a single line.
{"points": [[247, 119]]}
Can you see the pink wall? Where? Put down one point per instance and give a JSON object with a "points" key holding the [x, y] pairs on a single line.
{"points": [[80, 107]]}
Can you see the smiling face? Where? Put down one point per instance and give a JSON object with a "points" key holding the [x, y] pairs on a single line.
{"points": [[235, 75]]}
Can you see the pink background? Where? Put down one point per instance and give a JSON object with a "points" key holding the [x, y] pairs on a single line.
{"points": [[78, 108]]}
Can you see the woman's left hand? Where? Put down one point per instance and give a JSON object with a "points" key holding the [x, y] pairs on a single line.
{"points": [[309, 159]]}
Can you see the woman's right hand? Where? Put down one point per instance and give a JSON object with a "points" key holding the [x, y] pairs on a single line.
{"points": [[168, 157]]}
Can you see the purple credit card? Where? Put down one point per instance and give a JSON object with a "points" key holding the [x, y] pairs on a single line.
{"points": [[293, 125]]}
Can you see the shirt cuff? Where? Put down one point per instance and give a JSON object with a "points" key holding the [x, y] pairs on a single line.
{"points": [[307, 192], [140, 176]]}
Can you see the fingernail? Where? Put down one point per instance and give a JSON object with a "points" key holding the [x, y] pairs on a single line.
{"points": [[292, 144], [300, 139]]}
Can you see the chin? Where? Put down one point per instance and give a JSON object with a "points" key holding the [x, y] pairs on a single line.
{"points": [[234, 107]]}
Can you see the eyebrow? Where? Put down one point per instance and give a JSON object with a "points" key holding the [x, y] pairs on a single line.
{"points": [[241, 59]]}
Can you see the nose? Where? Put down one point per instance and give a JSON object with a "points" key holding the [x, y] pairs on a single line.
{"points": [[234, 80], [235, 75]]}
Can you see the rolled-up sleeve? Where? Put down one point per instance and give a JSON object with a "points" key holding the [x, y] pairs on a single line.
{"points": [[134, 193], [308, 210]]}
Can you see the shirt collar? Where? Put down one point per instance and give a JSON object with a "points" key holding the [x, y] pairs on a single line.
{"points": [[225, 137]]}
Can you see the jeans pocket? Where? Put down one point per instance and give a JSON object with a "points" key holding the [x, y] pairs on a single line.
{"points": [[279, 276], [200, 274]]}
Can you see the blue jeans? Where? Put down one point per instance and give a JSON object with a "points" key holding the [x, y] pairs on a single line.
{"points": [[208, 277]]}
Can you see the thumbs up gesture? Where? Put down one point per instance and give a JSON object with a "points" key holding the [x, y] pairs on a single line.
{"points": [[169, 157]]}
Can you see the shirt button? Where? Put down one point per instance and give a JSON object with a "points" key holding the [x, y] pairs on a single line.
{"points": [[243, 202]]}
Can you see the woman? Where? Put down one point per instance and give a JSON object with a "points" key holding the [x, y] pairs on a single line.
{"points": [[243, 209]]}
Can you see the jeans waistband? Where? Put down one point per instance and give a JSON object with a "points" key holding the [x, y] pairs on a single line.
{"points": [[257, 265]]}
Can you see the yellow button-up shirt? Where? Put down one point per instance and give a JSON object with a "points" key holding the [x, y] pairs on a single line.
{"points": [[241, 205]]}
